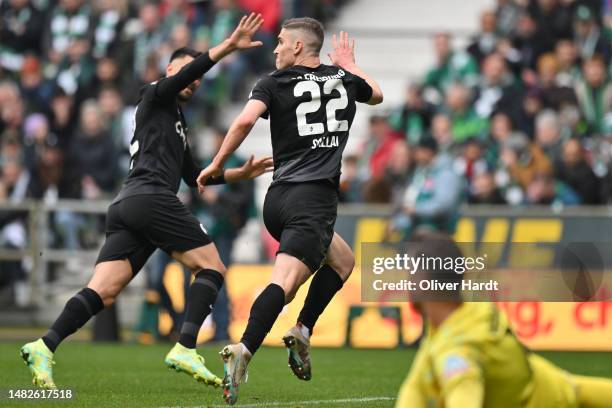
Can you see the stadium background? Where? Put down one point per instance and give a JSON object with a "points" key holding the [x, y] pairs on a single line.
{"points": [[69, 82]]}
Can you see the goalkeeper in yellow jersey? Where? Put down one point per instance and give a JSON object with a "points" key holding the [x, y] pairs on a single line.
{"points": [[470, 358]]}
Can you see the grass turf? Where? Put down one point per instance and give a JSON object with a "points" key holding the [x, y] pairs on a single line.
{"points": [[130, 375]]}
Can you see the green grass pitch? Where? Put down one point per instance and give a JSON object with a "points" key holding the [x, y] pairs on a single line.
{"points": [[130, 375]]}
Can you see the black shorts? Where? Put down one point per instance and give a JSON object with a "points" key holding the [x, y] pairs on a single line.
{"points": [[136, 225], [301, 216]]}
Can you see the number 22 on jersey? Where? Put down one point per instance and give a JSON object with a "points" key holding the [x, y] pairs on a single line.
{"points": [[314, 104]]}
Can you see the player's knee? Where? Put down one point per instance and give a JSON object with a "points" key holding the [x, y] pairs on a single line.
{"points": [[215, 266], [108, 293]]}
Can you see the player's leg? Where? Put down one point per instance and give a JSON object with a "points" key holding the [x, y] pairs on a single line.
{"points": [[174, 229], [327, 281], [288, 274], [593, 392], [122, 255], [208, 272]]}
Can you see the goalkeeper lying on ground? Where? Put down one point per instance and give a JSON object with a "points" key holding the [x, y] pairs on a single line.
{"points": [[471, 358]]}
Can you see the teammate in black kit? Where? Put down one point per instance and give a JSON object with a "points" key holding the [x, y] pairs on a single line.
{"points": [[311, 107], [146, 214]]}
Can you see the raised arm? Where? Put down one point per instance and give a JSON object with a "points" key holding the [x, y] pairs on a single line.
{"points": [[343, 55], [238, 131], [241, 38]]}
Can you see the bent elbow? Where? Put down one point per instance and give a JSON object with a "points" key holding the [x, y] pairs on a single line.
{"points": [[377, 97]]}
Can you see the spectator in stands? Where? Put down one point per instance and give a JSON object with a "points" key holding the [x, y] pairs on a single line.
{"points": [[552, 19], [507, 14], [135, 52], [399, 169], [106, 74], [64, 117], [544, 190], [93, 154], [21, 26], [36, 134], [522, 160], [548, 134], [589, 37], [500, 130], [414, 117], [472, 160], [11, 108], [484, 191], [554, 95], [594, 93], [465, 121], [432, 199], [35, 90], [574, 171], [450, 66], [377, 148], [111, 106], [69, 20], [568, 68], [496, 90], [76, 68], [525, 116], [175, 13], [107, 25], [441, 130], [486, 40], [350, 184], [529, 44]]}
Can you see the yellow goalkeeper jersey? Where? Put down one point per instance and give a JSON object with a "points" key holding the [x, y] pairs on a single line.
{"points": [[474, 360]]}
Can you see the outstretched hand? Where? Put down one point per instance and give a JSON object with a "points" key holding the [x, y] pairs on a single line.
{"points": [[255, 168], [212, 170], [343, 50], [242, 37]]}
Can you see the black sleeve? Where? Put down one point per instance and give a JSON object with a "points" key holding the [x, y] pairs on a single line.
{"points": [[264, 91], [169, 87], [191, 170], [363, 91]]}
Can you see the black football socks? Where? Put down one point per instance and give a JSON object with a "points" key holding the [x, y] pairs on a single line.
{"points": [[202, 295], [323, 287], [264, 312], [78, 310]]}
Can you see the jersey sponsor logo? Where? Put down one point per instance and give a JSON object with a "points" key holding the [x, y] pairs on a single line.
{"points": [[455, 365], [325, 141]]}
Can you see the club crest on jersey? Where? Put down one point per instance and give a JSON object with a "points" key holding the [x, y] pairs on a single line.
{"points": [[325, 141]]}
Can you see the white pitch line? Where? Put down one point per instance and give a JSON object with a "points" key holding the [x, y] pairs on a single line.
{"points": [[306, 402]]}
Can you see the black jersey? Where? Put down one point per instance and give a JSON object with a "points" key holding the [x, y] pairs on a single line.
{"points": [[160, 155], [311, 111]]}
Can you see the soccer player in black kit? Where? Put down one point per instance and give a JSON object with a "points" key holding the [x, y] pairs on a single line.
{"points": [[146, 214], [311, 107]]}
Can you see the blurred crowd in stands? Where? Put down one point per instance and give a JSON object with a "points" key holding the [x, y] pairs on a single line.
{"points": [[522, 115]]}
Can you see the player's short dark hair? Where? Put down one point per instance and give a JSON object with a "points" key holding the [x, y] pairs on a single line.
{"points": [[434, 244], [183, 51], [312, 27]]}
